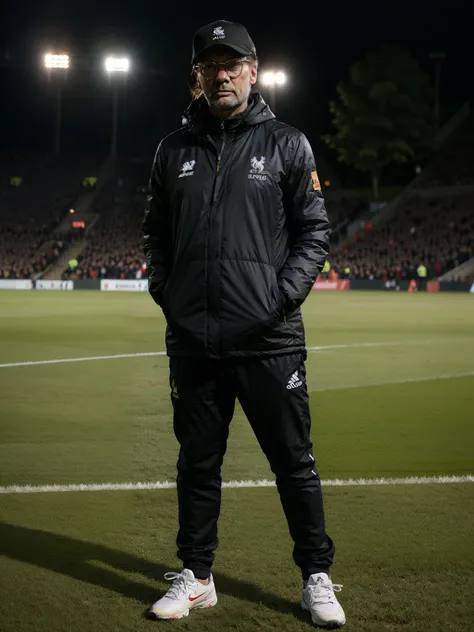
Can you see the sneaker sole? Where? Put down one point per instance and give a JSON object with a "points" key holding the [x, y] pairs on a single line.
{"points": [[205, 604], [326, 625]]}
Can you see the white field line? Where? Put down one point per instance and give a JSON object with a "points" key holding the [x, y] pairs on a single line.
{"points": [[408, 380], [162, 353], [337, 482], [361, 345], [88, 359]]}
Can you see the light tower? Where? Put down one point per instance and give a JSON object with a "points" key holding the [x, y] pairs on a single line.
{"points": [[116, 66], [271, 79], [57, 65]]}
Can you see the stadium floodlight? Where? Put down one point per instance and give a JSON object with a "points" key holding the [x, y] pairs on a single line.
{"points": [[268, 78], [280, 78], [56, 61], [117, 64], [271, 79]]}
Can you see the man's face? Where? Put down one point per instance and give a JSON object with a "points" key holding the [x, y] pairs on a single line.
{"points": [[226, 87]]}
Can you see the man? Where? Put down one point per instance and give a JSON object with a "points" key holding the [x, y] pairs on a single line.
{"points": [[234, 237], [422, 273]]}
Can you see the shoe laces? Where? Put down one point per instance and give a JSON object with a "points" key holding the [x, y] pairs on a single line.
{"points": [[180, 586], [322, 592]]}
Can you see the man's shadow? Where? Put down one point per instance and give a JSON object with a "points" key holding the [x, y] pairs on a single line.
{"points": [[85, 561]]}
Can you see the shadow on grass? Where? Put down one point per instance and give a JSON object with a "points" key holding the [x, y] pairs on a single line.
{"points": [[79, 559]]}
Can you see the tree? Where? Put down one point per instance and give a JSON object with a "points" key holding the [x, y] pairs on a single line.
{"points": [[384, 113]]}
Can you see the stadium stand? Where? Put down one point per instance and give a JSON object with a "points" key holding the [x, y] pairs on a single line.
{"points": [[342, 211], [31, 212], [113, 250], [434, 224], [437, 232]]}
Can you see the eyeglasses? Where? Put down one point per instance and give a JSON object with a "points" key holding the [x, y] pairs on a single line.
{"points": [[232, 67]]}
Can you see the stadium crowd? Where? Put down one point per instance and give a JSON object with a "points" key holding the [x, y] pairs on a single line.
{"points": [[35, 191], [27, 252], [113, 250], [436, 232]]}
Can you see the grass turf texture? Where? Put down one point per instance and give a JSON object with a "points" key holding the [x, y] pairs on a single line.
{"points": [[95, 560]]}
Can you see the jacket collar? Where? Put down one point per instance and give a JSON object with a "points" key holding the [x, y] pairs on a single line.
{"points": [[199, 119]]}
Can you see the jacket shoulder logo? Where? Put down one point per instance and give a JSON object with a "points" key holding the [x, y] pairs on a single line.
{"points": [[187, 169], [218, 33], [256, 168], [315, 179]]}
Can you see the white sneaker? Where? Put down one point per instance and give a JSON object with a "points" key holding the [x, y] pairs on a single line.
{"points": [[186, 592], [320, 600]]}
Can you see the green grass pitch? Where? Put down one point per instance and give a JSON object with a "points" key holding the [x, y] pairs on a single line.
{"points": [[391, 378]]}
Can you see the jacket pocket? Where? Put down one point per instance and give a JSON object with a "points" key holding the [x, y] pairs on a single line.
{"points": [[164, 296], [183, 300], [278, 297], [250, 301]]}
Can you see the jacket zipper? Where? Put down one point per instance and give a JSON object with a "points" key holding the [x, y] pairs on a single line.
{"points": [[213, 202], [222, 148]]}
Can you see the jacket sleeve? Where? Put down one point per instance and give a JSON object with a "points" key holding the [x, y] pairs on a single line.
{"points": [[157, 231], [308, 225]]}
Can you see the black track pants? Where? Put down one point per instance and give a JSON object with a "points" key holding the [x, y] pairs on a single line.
{"points": [[274, 397]]}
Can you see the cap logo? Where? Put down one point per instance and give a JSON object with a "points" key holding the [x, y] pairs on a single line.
{"points": [[218, 33]]}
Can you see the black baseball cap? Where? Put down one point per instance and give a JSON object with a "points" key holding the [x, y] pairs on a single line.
{"points": [[223, 33]]}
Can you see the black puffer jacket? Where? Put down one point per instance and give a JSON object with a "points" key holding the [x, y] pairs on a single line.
{"points": [[235, 234]]}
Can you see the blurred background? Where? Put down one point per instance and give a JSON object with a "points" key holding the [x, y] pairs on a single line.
{"points": [[383, 92]]}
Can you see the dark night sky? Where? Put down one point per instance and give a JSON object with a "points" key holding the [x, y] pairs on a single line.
{"points": [[314, 41]]}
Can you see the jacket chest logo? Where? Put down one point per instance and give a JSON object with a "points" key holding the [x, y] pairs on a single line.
{"points": [[187, 169], [257, 166]]}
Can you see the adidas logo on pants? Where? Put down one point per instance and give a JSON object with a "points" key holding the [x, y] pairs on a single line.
{"points": [[294, 381]]}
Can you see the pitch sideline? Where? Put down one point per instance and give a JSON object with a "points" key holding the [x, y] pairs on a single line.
{"points": [[243, 484], [356, 345]]}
